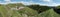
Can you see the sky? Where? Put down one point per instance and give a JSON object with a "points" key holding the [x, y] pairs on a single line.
{"points": [[28, 2]]}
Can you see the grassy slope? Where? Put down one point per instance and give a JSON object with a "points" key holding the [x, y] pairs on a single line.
{"points": [[28, 11], [2, 11], [49, 13], [5, 13]]}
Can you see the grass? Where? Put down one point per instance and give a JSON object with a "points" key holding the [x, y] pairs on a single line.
{"points": [[2, 11], [6, 13], [26, 12], [49, 13]]}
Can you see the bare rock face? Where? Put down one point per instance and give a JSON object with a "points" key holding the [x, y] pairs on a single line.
{"points": [[20, 8], [17, 8]]}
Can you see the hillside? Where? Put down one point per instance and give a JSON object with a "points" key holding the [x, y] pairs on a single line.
{"points": [[27, 11]]}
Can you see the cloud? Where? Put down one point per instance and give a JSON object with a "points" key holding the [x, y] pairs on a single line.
{"points": [[50, 2], [25, 3], [53, 4], [29, 3], [46, 0], [2, 3], [7, 0]]}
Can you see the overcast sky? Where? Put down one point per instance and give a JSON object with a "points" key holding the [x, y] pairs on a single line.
{"points": [[41, 2]]}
